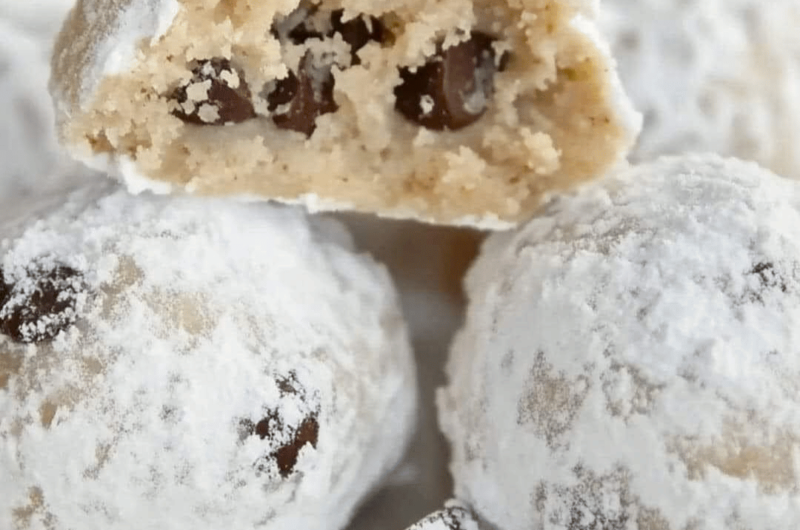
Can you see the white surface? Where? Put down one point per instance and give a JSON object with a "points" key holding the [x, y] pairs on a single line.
{"points": [[632, 355]]}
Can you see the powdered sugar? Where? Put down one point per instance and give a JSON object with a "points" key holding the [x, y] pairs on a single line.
{"points": [[630, 360], [227, 366], [715, 75]]}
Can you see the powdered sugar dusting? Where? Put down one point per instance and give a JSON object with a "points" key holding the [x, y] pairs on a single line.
{"points": [[138, 20], [225, 366], [630, 357], [716, 75]]}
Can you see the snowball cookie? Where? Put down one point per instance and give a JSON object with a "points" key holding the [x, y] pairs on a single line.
{"points": [[713, 75], [630, 359], [453, 516], [175, 364], [457, 111]]}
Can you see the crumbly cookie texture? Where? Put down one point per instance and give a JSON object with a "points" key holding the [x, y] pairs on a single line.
{"points": [[630, 357], [461, 112], [157, 370], [718, 75]]}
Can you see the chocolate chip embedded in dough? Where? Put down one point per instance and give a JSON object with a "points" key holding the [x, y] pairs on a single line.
{"points": [[281, 91], [357, 32], [40, 307], [216, 94], [313, 98], [303, 32], [453, 89]]}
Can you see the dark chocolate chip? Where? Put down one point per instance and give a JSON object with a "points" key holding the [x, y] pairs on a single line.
{"points": [[286, 456], [264, 427], [313, 98], [41, 307], [452, 90], [357, 32], [227, 96], [281, 91], [303, 32]]}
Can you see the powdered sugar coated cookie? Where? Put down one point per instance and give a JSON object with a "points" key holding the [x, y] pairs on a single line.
{"points": [[178, 363], [630, 357]]}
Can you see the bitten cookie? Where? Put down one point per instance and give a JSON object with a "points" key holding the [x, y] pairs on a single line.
{"points": [[194, 363], [461, 111], [630, 359]]}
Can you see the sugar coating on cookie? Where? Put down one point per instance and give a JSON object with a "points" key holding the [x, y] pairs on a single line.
{"points": [[718, 75], [630, 357], [194, 363], [461, 112]]}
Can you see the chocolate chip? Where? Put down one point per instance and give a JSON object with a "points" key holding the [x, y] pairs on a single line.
{"points": [[216, 94], [264, 427], [286, 456], [314, 97], [39, 308], [303, 32], [452, 90], [357, 32], [281, 91]]}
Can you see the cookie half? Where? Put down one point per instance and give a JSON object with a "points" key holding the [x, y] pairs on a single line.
{"points": [[458, 112]]}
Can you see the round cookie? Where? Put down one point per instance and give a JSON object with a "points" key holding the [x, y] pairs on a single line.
{"points": [[194, 363], [630, 357], [714, 75], [460, 111]]}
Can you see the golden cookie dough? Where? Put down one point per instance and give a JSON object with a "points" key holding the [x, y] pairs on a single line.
{"points": [[457, 111]]}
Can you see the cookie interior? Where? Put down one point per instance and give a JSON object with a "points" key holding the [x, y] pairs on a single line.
{"points": [[549, 119]]}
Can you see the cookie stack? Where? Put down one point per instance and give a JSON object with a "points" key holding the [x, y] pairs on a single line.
{"points": [[184, 352]]}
